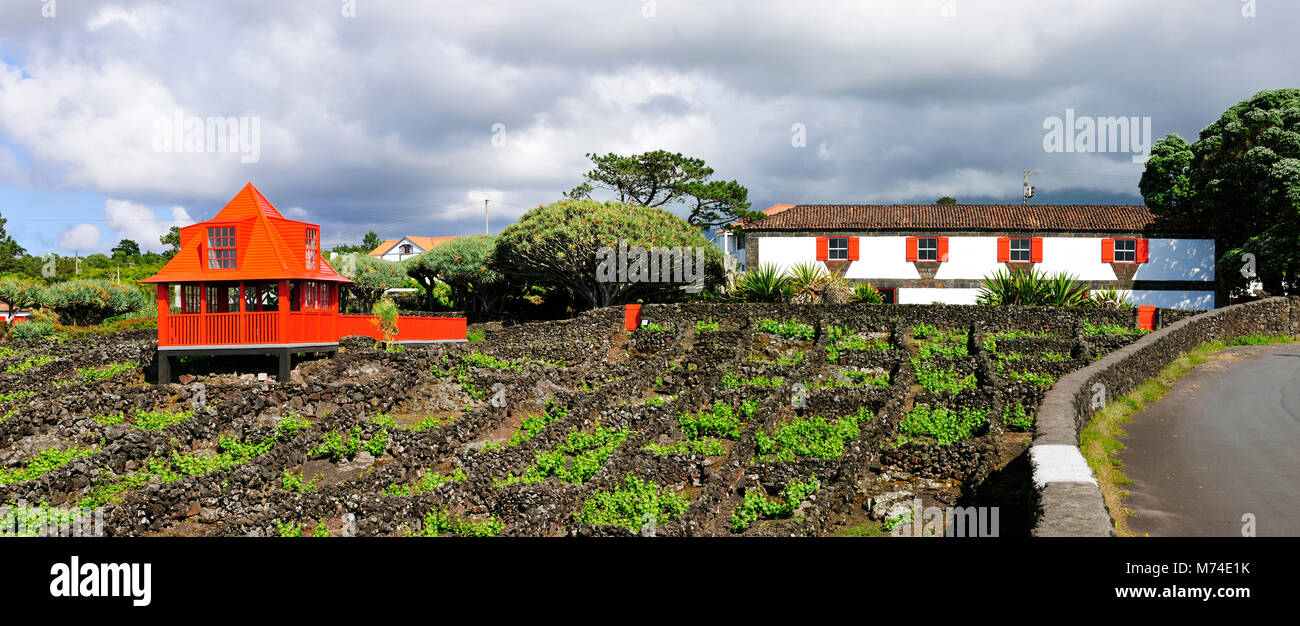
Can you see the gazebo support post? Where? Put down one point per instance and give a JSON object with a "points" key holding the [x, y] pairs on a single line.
{"points": [[286, 363]]}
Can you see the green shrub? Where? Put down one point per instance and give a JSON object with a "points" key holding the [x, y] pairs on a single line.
{"points": [[789, 329], [945, 380], [946, 426], [1017, 417], [627, 504], [810, 437], [756, 502], [31, 330]]}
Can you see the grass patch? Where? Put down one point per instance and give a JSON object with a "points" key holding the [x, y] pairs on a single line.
{"points": [[104, 372], [706, 326]]}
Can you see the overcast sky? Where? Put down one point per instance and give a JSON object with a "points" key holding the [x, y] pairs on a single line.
{"points": [[401, 116]]}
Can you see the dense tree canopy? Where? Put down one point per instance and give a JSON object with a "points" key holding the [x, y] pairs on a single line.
{"points": [[371, 277], [556, 246], [660, 178], [463, 264], [1240, 181]]}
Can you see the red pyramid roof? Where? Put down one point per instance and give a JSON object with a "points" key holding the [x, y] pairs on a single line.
{"points": [[267, 246]]}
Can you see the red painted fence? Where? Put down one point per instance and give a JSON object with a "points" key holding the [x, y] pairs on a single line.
{"points": [[232, 329]]}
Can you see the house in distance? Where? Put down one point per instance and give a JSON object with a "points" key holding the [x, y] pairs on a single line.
{"points": [[919, 254], [250, 281]]}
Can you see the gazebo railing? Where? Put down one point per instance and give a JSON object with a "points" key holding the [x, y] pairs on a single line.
{"points": [[263, 327]]}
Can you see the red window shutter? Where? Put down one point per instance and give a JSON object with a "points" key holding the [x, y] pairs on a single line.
{"points": [[1036, 250], [1004, 249], [1107, 250], [853, 248], [943, 249], [1143, 251], [911, 249], [823, 248]]}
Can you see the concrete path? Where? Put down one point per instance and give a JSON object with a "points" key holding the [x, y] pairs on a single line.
{"points": [[1224, 442]]}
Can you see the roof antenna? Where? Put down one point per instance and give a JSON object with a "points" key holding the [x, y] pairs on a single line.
{"points": [[1028, 191]]}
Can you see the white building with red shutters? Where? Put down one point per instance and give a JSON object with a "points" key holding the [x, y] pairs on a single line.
{"points": [[921, 254]]}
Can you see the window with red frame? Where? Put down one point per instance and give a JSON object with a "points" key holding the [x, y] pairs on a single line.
{"points": [[221, 248]]}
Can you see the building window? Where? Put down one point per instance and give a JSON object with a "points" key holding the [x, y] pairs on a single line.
{"points": [[313, 247], [221, 248], [190, 295], [838, 249], [927, 249], [740, 242], [1021, 249], [406, 248], [1125, 250]]}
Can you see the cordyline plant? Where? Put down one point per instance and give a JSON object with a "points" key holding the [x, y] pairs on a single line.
{"points": [[18, 295], [556, 246], [89, 302], [1033, 288]]}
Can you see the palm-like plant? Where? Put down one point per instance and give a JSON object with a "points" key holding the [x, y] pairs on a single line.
{"points": [[1033, 288], [867, 294], [765, 283], [806, 281], [1110, 298]]}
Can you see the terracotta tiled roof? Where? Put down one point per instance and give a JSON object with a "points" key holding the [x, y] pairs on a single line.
{"points": [[267, 246], [965, 217], [772, 210], [425, 243]]}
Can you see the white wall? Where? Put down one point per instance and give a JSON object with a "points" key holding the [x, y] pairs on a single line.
{"points": [[927, 295]]}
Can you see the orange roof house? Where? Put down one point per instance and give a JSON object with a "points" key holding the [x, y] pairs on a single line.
{"points": [[406, 247], [250, 281]]}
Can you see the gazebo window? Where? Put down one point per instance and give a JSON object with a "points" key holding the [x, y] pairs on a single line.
{"points": [[221, 248], [261, 297], [223, 298], [190, 298], [313, 247]]}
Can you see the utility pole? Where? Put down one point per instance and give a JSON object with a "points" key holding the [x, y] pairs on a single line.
{"points": [[1028, 191], [76, 262], [485, 218]]}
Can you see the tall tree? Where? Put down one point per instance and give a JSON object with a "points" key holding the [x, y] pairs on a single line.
{"points": [[463, 264], [660, 178], [557, 245], [371, 241], [126, 250], [1240, 181], [173, 242], [946, 200], [10, 251]]}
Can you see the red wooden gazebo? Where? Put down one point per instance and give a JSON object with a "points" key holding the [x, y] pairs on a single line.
{"points": [[249, 281]]}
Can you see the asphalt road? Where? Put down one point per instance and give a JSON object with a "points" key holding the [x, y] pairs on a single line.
{"points": [[1224, 442]]}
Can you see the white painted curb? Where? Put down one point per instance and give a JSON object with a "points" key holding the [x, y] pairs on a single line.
{"points": [[1059, 464]]}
